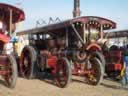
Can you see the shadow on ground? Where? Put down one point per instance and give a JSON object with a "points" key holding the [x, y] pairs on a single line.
{"points": [[119, 87], [47, 78], [2, 82]]}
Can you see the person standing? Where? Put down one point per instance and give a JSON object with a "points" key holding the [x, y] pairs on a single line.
{"points": [[125, 69]]}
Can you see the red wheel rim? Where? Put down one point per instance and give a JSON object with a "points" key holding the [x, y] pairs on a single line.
{"points": [[62, 74], [93, 76], [9, 76]]}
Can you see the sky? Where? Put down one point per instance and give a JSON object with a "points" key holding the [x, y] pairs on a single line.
{"points": [[116, 10]]}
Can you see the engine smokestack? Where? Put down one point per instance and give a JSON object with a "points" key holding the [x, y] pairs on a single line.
{"points": [[76, 11]]}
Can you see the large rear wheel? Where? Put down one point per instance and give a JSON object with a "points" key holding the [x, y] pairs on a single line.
{"points": [[12, 75], [27, 62], [63, 72]]}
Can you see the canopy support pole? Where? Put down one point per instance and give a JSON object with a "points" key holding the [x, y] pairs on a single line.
{"points": [[10, 23], [84, 36], [79, 37], [101, 32], [67, 37]]}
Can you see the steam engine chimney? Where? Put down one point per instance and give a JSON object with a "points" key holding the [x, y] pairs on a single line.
{"points": [[76, 11]]}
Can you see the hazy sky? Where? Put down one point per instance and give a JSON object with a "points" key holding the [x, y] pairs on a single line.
{"points": [[116, 10]]}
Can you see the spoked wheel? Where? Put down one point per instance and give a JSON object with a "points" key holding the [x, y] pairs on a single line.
{"points": [[95, 76], [63, 72], [12, 75], [27, 62]]}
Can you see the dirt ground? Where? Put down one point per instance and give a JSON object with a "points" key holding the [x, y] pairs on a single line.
{"points": [[38, 87]]}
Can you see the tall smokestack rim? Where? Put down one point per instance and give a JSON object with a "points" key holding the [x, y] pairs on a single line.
{"points": [[76, 3], [76, 11]]}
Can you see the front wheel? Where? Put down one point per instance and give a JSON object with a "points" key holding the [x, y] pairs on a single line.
{"points": [[12, 75], [100, 57], [95, 76], [63, 72]]}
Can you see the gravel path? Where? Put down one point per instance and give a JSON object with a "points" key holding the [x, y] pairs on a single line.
{"points": [[38, 87]]}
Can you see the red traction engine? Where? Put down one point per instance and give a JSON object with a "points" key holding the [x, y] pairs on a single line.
{"points": [[9, 15], [66, 48], [114, 61]]}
